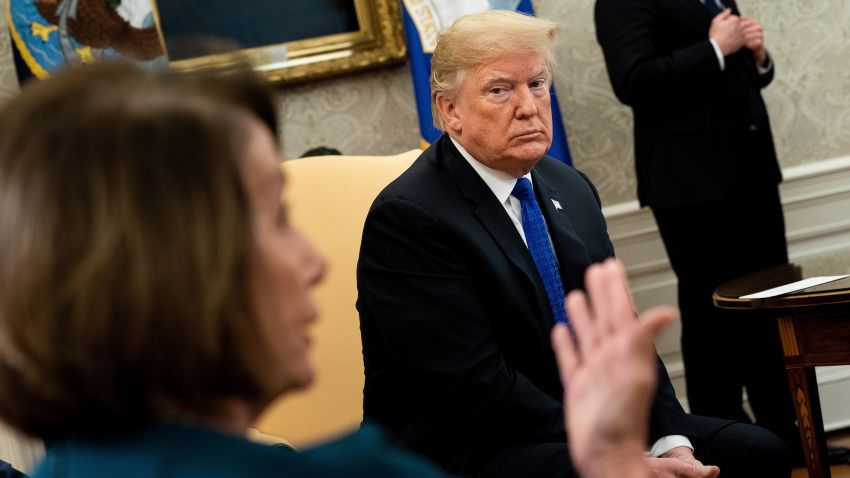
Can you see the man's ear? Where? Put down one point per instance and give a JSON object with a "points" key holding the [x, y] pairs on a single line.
{"points": [[448, 112]]}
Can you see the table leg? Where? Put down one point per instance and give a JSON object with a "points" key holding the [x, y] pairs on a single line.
{"points": [[804, 389]]}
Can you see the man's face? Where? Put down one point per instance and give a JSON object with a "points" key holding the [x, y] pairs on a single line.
{"points": [[501, 113]]}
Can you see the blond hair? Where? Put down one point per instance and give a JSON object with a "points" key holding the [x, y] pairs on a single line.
{"points": [[477, 38]]}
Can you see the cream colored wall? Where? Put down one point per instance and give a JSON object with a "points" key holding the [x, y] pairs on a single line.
{"points": [[374, 112], [368, 113]]}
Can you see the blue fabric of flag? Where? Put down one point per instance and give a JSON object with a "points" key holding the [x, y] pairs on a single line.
{"points": [[420, 69]]}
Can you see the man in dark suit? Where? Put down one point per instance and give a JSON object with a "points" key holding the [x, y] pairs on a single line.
{"points": [[463, 266], [692, 71]]}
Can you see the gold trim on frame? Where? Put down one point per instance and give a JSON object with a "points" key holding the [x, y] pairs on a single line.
{"points": [[380, 41]]}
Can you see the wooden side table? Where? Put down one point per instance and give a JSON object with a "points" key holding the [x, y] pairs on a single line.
{"points": [[814, 325]]}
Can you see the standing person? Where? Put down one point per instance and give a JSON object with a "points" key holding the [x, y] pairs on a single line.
{"points": [[463, 266], [692, 71]]}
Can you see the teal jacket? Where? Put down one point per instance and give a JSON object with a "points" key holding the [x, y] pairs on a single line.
{"points": [[171, 450]]}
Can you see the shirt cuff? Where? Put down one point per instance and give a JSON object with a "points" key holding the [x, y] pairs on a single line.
{"points": [[765, 69], [667, 443], [720, 60]]}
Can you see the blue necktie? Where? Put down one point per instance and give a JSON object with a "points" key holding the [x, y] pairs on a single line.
{"points": [[537, 238]]}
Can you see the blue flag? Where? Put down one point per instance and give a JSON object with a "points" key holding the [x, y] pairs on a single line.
{"points": [[423, 20]]}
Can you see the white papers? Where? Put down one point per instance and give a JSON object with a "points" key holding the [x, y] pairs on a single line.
{"points": [[793, 287]]}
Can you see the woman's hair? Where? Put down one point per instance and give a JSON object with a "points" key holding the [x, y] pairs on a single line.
{"points": [[124, 232], [477, 38]]}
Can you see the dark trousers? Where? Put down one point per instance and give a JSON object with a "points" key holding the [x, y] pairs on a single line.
{"points": [[740, 450], [725, 351]]}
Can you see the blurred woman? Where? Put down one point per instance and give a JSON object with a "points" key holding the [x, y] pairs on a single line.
{"points": [[154, 299]]}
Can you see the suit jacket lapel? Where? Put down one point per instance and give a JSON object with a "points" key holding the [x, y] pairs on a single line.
{"points": [[572, 255], [697, 10], [491, 214]]}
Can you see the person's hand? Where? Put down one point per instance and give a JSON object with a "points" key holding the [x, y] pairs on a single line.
{"points": [[680, 463], [727, 32], [608, 372], [754, 39]]}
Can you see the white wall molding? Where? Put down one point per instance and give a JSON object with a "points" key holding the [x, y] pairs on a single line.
{"points": [[816, 202]]}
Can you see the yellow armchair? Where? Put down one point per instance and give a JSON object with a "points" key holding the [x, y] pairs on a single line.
{"points": [[328, 198]]}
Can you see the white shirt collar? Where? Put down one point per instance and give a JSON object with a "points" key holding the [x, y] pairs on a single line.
{"points": [[500, 182]]}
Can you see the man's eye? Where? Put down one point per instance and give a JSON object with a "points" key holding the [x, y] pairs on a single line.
{"points": [[497, 91], [538, 84]]}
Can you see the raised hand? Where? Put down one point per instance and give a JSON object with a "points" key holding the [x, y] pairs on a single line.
{"points": [[609, 375]]}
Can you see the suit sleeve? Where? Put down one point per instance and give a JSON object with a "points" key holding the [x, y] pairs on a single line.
{"points": [[638, 70], [764, 79], [433, 320], [666, 416]]}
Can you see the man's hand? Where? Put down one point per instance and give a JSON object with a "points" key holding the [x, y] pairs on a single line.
{"points": [[754, 39], [608, 371], [680, 463], [727, 32]]}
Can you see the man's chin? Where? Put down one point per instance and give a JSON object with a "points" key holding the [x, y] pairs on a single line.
{"points": [[531, 153]]}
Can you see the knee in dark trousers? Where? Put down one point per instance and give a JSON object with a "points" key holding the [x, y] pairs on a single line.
{"points": [[740, 450]]}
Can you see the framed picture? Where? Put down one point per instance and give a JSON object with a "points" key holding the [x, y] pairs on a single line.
{"points": [[49, 35], [288, 42]]}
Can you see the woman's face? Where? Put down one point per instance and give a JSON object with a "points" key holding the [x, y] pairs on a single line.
{"points": [[283, 267]]}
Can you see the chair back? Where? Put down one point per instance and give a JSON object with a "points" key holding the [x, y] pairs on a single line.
{"points": [[328, 199]]}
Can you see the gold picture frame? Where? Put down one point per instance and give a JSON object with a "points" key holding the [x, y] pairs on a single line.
{"points": [[378, 41]]}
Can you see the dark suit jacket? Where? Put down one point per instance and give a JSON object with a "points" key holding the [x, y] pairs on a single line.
{"points": [[700, 133], [454, 317]]}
